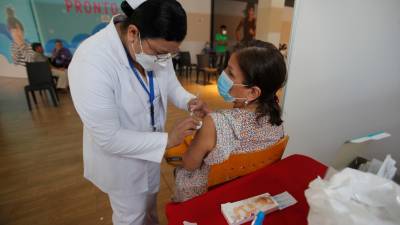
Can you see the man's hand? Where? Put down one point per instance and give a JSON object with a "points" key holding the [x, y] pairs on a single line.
{"points": [[198, 107], [181, 130]]}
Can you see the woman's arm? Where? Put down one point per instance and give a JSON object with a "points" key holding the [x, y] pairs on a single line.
{"points": [[204, 141], [239, 26], [252, 30]]}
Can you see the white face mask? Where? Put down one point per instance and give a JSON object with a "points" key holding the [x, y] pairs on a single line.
{"points": [[150, 62], [145, 60], [224, 32]]}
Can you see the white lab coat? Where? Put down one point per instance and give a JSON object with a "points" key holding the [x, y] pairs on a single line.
{"points": [[121, 153]]}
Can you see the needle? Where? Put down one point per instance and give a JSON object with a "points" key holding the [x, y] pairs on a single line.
{"points": [[192, 112], [197, 97]]}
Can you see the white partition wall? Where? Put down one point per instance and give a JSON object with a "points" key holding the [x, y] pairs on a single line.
{"points": [[344, 76]]}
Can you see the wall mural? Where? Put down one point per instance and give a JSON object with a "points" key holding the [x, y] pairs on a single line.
{"points": [[27, 21]]}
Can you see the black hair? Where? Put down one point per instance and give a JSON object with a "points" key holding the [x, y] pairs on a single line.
{"points": [[12, 21], [263, 66], [165, 19], [58, 41], [222, 27], [249, 6], [35, 45]]}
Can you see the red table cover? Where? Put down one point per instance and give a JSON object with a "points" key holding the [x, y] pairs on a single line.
{"points": [[292, 174]]}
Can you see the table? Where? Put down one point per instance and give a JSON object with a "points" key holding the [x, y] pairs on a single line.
{"points": [[292, 174]]}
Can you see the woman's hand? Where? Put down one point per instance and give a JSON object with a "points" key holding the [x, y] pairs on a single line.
{"points": [[198, 107], [181, 130]]}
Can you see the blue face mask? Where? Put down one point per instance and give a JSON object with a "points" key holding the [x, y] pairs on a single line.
{"points": [[225, 84]]}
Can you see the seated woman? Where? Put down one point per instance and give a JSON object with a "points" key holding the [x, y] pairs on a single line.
{"points": [[255, 72]]}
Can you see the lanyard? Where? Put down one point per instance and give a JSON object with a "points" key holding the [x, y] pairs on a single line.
{"points": [[150, 91]]}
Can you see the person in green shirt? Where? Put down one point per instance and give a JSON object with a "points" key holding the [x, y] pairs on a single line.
{"points": [[221, 40]]}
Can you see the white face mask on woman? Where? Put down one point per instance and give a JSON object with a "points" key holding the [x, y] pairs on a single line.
{"points": [[150, 62]]}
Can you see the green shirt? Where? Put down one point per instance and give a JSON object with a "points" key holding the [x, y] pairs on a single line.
{"points": [[221, 38]]}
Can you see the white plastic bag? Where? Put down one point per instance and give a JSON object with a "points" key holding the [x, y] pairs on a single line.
{"points": [[352, 197]]}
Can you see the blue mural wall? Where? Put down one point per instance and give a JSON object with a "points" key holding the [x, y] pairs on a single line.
{"points": [[44, 21], [21, 11]]}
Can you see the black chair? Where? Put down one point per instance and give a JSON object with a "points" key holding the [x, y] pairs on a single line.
{"points": [[185, 63], [203, 65], [40, 78], [175, 62]]}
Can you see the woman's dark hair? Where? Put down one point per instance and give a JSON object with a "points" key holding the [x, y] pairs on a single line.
{"points": [[35, 45], [248, 7], [13, 22], [263, 66], [164, 19]]}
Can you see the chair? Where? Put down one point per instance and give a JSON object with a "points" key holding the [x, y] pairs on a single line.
{"points": [[40, 78], [203, 65], [241, 164], [185, 63], [237, 165]]}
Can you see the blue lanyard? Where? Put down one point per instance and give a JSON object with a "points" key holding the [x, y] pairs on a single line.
{"points": [[150, 92]]}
